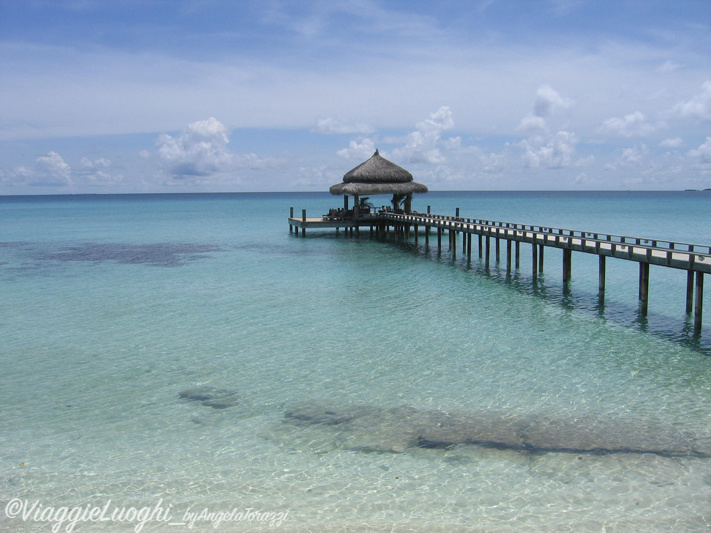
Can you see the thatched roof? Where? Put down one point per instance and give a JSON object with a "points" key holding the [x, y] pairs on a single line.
{"points": [[377, 175], [377, 169], [365, 189]]}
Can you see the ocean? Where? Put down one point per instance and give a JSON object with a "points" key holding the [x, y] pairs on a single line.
{"points": [[185, 363]]}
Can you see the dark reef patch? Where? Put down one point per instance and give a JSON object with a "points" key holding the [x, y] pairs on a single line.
{"points": [[210, 397], [377, 429], [158, 254]]}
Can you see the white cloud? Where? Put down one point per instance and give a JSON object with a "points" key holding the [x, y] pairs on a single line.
{"points": [[676, 142], [454, 144], [531, 124], [254, 162], [634, 155], [101, 162], [199, 151], [493, 163], [548, 100], [632, 125], [669, 66], [554, 151], [698, 108], [702, 154], [359, 151], [422, 144], [585, 161], [330, 126], [49, 169]]}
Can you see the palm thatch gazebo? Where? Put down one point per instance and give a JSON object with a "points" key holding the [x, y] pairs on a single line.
{"points": [[378, 176]]}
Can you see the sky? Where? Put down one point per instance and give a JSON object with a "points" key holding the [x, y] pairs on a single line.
{"points": [[137, 96]]}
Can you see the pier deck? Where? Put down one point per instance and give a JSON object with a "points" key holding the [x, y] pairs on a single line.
{"points": [[694, 258]]}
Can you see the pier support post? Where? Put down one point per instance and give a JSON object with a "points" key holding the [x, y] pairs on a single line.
{"points": [[487, 251], [689, 291], [643, 287], [518, 254], [567, 266], [439, 240], [416, 229], [534, 252], [498, 249], [291, 215], [698, 307], [303, 221], [480, 246], [508, 256], [427, 235], [540, 258], [464, 242], [601, 278]]}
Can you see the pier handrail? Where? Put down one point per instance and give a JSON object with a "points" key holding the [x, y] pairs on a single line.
{"points": [[694, 258], [697, 249]]}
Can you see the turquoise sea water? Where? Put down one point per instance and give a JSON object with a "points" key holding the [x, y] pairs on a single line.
{"points": [[113, 306]]}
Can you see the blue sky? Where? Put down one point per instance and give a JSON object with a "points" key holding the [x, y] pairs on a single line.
{"points": [[213, 95]]}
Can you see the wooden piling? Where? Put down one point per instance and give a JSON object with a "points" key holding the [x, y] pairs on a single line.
{"points": [[439, 240], [643, 287], [567, 266], [508, 256], [303, 221], [291, 215], [689, 292], [534, 253], [698, 307], [601, 278]]}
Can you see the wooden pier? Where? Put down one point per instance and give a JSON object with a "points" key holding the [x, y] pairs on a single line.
{"points": [[693, 258]]}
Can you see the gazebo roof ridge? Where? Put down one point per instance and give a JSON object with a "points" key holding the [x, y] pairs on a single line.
{"points": [[377, 176], [377, 169]]}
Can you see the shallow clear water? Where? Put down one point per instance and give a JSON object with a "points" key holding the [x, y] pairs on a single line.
{"points": [[112, 306]]}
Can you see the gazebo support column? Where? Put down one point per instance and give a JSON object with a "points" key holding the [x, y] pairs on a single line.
{"points": [[408, 203]]}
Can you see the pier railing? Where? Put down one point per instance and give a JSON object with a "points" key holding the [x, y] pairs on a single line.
{"points": [[685, 256], [694, 258]]}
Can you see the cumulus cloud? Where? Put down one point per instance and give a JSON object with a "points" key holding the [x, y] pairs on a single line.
{"points": [[422, 144], [698, 107], [358, 150], [492, 163], [703, 153], [199, 151], [97, 172], [632, 156], [49, 169], [547, 101], [632, 125], [554, 151], [330, 126], [100, 162], [532, 123], [676, 142]]}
